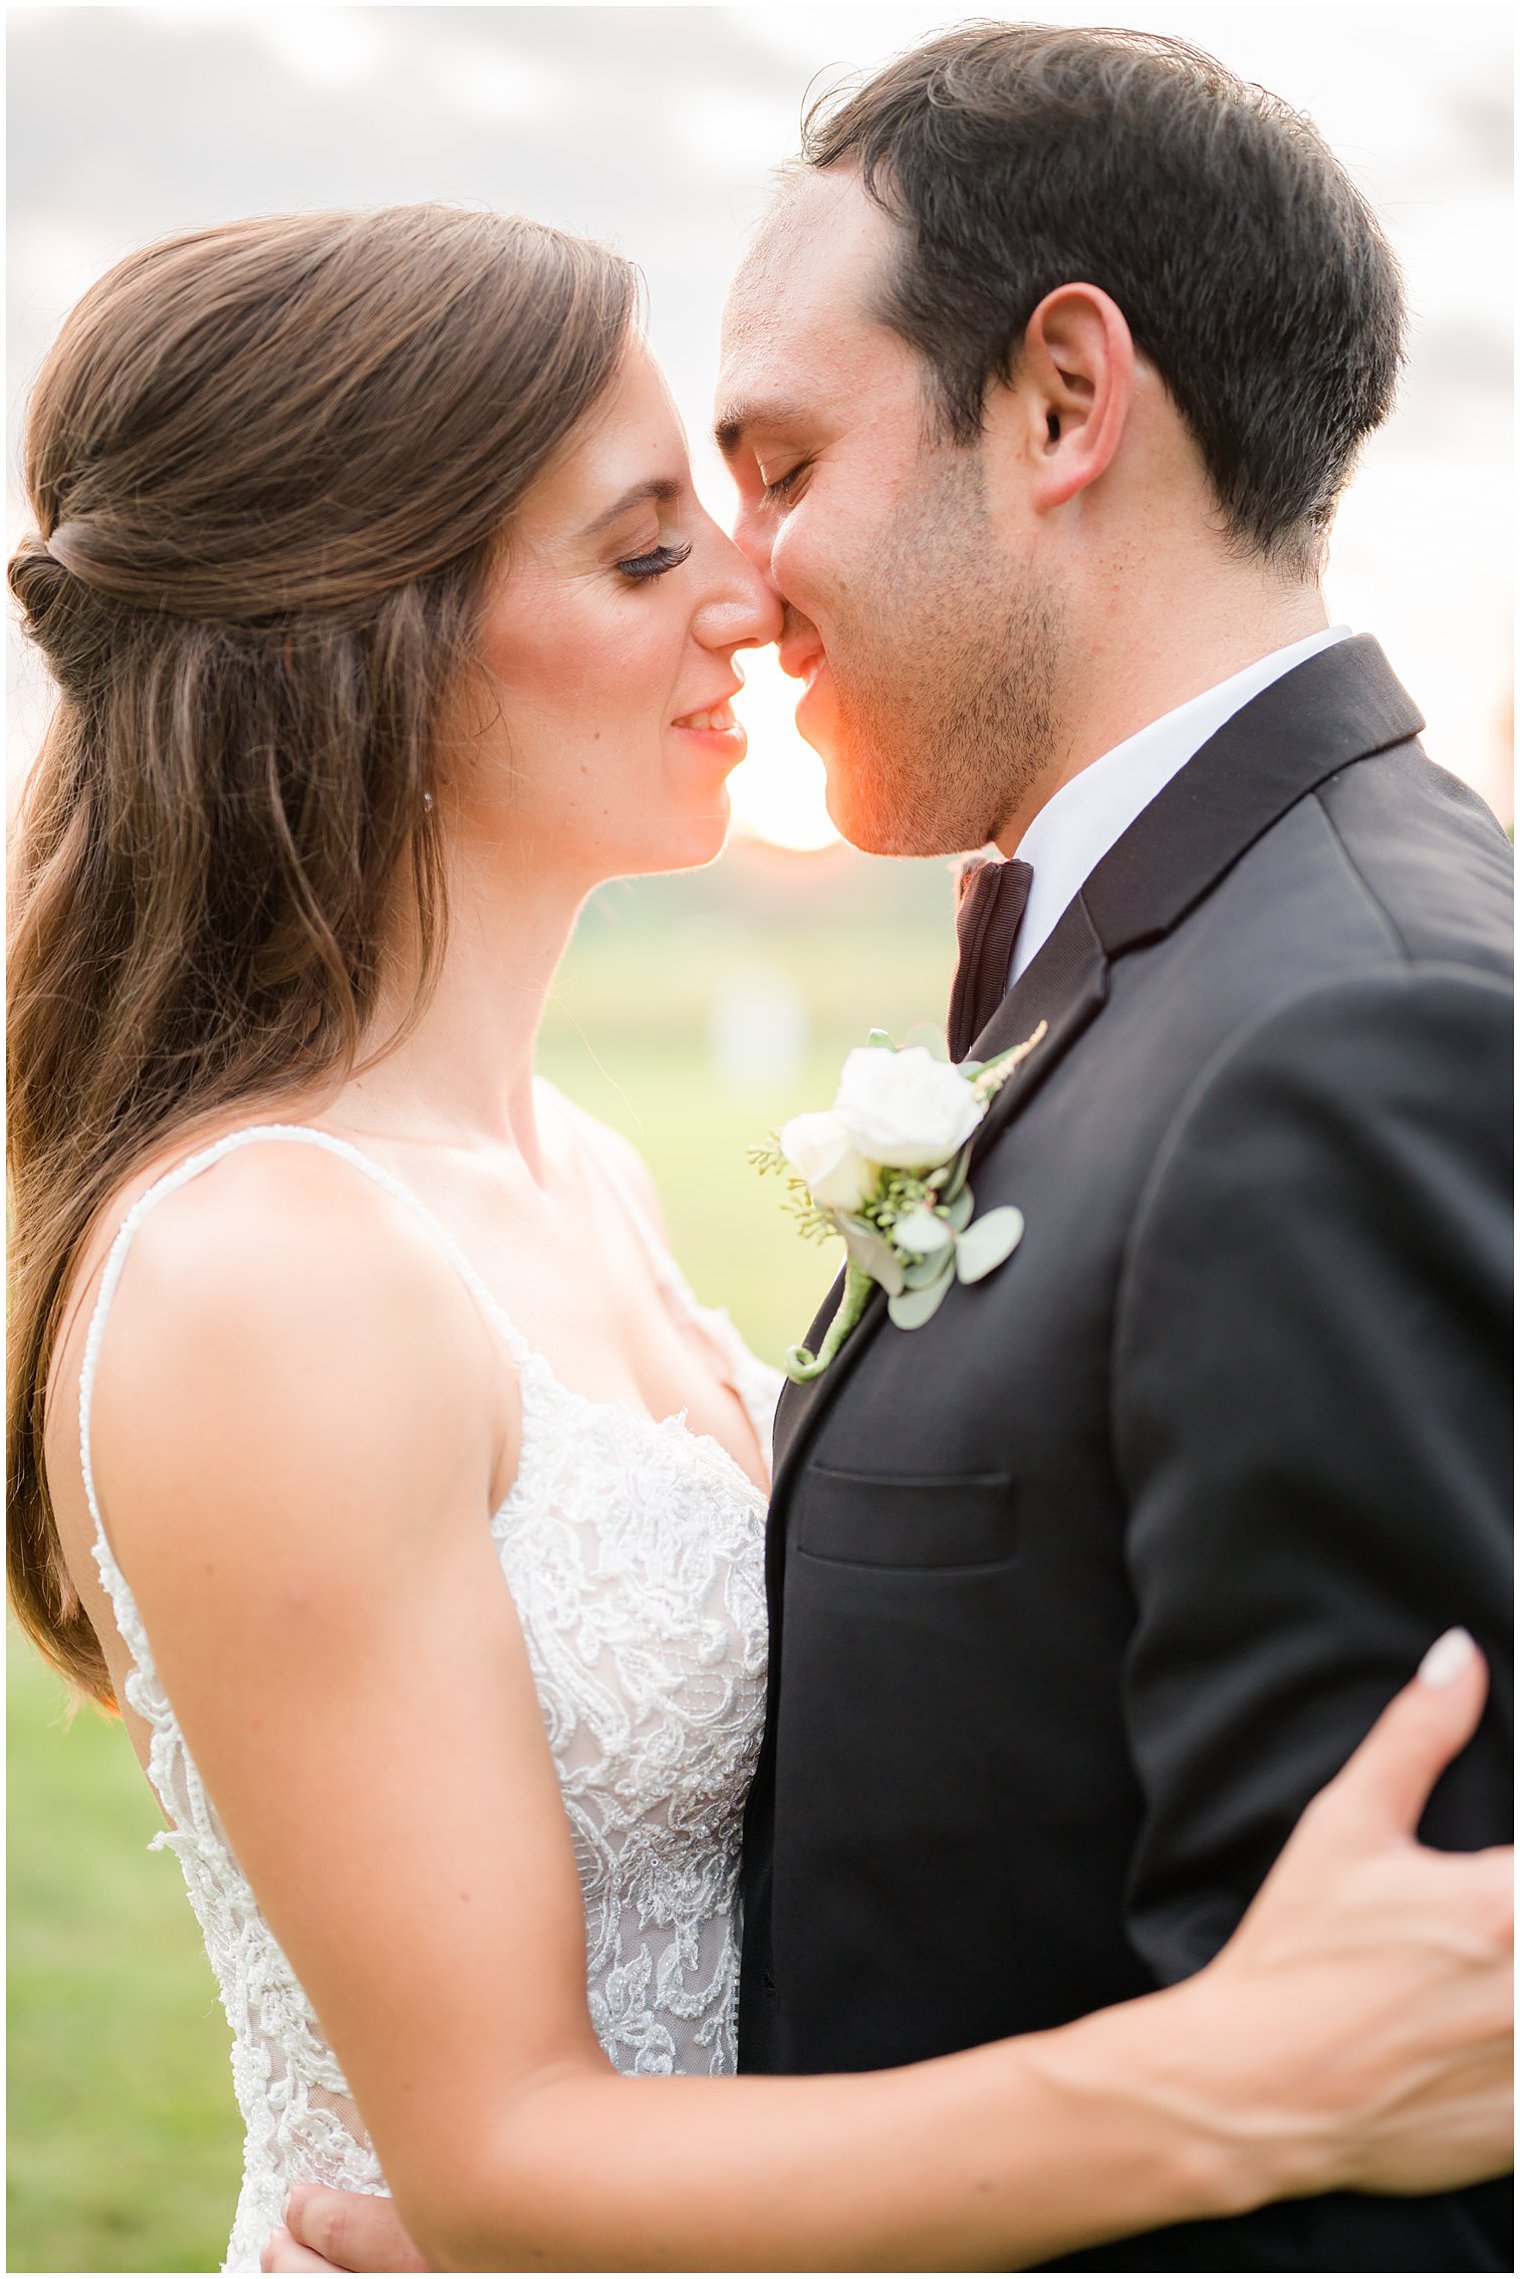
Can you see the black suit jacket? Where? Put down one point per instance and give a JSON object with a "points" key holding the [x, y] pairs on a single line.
{"points": [[1079, 1592]]}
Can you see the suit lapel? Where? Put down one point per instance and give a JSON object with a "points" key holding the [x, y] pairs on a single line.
{"points": [[1339, 706], [1064, 987], [801, 1406]]}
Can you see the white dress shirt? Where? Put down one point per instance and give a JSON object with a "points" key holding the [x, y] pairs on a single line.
{"points": [[1074, 830]]}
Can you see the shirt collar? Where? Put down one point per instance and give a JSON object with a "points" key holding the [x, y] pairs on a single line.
{"points": [[1076, 827]]}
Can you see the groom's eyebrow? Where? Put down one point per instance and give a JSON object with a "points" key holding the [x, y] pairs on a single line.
{"points": [[736, 425], [662, 490]]}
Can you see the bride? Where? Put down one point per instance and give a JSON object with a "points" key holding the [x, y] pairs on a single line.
{"points": [[386, 625]]}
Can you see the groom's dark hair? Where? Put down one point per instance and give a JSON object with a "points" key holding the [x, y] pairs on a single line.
{"points": [[1251, 271]]}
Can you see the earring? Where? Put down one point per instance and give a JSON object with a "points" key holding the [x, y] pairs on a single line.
{"points": [[427, 802]]}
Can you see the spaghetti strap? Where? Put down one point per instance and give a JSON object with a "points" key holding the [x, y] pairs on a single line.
{"points": [[182, 1173]]}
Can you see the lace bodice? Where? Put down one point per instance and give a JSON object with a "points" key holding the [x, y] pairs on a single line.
{"points": [[633, 1550]]}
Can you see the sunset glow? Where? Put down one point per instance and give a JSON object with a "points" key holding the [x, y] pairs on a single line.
{"points": [[777, 792]]}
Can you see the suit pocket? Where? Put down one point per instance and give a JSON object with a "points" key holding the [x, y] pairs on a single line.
{"points": [[943, 1521]]}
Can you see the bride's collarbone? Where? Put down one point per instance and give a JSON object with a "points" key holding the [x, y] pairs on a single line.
{"points": [[608, 1332]]}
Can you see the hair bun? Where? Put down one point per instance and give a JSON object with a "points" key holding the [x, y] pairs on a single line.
{"points": [[36, 573], [63, 547], [59, 610]]}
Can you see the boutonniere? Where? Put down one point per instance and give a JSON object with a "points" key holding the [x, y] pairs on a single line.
{"points": [[885, 1169]]}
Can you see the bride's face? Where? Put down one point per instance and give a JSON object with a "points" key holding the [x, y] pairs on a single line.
{"points": [[604, 739]]}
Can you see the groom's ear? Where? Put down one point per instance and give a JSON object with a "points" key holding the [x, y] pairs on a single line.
{"points": [[1073, 387]]}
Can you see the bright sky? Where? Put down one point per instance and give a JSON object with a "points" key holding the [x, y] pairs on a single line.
{"points": [[656, 128]]}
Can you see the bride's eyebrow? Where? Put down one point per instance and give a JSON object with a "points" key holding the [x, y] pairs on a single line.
{"points": [[662, 491]]}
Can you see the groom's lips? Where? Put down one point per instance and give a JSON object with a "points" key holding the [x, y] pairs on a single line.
{"points": [[800, 663]]}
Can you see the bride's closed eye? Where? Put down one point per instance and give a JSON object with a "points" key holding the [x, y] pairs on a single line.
{"points": [[639, 568]]}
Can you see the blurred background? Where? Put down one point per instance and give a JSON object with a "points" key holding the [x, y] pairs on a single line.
{"points": [[696, 1012]]}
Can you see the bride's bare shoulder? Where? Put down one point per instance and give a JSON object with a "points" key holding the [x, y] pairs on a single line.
{"points": [[278, 1290], [268, 1218]]}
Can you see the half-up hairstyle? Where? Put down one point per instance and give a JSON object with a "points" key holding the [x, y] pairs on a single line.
{"points": [[271, 466]]}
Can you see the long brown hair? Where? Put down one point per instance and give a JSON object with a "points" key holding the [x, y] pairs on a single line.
{"points": [[271, 465]]}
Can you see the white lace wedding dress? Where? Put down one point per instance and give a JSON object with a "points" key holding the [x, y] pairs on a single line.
{"points": [[633, 1550]]}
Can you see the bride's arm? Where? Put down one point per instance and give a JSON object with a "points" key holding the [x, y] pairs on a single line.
{"points": [[1350, 1915], [298, 1436]]}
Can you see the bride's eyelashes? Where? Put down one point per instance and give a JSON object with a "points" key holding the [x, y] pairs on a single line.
{"points": [[639, 568]]}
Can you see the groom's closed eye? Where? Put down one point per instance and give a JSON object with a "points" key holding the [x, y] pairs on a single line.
{"points": [[779, 489]]}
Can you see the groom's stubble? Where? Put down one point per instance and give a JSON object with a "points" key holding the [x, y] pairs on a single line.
{"points": [[945, 658]]}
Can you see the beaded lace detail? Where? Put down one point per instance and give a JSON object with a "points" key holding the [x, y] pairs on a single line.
{"points": [[633, 1550]]}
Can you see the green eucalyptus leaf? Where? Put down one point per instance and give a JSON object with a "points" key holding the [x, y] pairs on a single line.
{"points": [[958, 1213], [987, 1243], [880, 1041], [927, 1270], [957, 1179], [915, 1307], [921, 1231], [866, 1251]]}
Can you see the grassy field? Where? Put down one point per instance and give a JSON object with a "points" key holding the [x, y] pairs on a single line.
{"points": [[124, 2140], [695, 1014]]}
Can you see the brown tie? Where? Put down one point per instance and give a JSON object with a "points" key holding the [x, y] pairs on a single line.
{"points": [[993, 900]]}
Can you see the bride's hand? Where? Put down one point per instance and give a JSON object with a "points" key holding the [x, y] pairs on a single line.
{"points": [[357, 2231], [1373, 1978]]}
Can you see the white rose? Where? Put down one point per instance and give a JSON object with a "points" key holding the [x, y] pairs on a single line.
{"points": [[819, 1148], [906, 1109]]}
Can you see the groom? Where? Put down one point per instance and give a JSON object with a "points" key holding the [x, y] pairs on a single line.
{"points": [[1040, 384]]}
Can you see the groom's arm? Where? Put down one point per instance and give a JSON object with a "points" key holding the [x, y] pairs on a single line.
{"points": [[1312, 1417]]}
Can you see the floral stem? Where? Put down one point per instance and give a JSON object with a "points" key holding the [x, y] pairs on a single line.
{"points": [[801, 1367], [997, 1072]]}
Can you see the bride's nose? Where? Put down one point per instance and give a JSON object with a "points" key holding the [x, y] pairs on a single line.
{"points": [[740, 609]]}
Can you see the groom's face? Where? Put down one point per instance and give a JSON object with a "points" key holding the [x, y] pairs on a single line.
{"points": [[905, 563]]}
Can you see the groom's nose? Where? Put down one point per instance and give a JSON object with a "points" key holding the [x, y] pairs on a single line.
{"points": [[753, 533]]}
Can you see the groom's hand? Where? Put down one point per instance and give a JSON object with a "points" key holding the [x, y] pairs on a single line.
{"points": [[339, 2231]]}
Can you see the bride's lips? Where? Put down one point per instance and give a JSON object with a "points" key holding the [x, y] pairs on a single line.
{"points": [[713, 726]]}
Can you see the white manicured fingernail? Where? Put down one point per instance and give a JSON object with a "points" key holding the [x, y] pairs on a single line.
{"points": [[1448, 1658]]}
